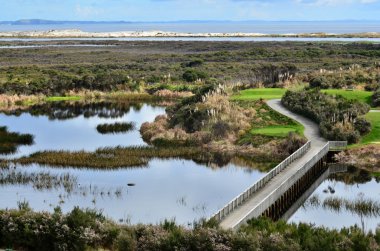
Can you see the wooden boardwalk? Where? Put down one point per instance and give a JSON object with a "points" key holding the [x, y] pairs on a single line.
{"points": [[254, 205]]}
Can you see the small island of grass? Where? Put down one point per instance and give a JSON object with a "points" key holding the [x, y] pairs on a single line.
{"points": [[115, 128], [9, 141]]}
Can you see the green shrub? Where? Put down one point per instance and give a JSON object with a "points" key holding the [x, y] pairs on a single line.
{"points": [[88, 230], [376, 98], [338, 118], [192, 75], [319, 82]]}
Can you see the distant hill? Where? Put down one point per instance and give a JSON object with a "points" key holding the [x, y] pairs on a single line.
{"points": [[42, 22]]}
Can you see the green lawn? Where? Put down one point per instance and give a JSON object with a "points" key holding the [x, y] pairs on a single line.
{"points": [[374, 136], [261, 93], [278, 130], [68, 98], [362, 96]]}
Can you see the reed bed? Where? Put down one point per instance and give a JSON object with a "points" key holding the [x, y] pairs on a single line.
{"points": [[360, 206], [39, 180], [115, 127], [108, 158]]}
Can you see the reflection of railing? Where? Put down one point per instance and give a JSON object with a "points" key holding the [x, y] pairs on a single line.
{"points": [[237, 201], [337, 168], [337, 145]]}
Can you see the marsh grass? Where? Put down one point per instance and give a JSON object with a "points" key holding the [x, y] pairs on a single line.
{"points": [[108, 157], [38, 180], [115, 127], [360, 206], [9, 141]]}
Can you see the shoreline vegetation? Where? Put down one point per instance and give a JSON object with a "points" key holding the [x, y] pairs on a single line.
{"points": [[14, 102], [75, 33], [90, 230], [9, 141]]}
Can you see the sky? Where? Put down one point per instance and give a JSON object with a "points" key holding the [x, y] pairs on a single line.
{"points": [[173, 10]]}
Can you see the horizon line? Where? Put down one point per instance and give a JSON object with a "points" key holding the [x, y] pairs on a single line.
{"points": [[188, 20]]}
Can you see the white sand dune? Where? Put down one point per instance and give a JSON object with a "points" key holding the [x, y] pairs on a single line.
{"points": [[119, 34]]}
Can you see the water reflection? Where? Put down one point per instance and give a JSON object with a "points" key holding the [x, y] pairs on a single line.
{"points": [[342, 200], [70, 110], [72, 125], [170, 188], [167, 189]]}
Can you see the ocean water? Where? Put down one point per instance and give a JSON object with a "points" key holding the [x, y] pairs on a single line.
{"points": [[338, 27]]}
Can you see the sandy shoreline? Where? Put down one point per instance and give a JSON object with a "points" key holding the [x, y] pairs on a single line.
{"points": [[149, 34]]}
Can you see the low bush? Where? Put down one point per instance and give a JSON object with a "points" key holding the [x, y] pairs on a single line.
{"points": [[24, 229], [338, 118], [376, 98]]}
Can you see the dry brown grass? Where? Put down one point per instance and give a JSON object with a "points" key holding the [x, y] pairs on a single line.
{"points": [[366, 157]]}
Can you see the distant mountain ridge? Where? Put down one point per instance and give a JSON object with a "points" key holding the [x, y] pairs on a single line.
{"points": [[42, 22]]}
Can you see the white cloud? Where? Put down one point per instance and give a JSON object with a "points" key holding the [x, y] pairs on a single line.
{"points": [[87, 11]]}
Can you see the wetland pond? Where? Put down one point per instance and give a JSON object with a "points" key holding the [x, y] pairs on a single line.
{"points": [[343, 199], [175, 188], [181, 189]]}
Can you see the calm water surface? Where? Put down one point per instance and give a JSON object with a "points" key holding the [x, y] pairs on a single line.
{"points": [[178, 189], [74, 127], [165, 189], [351, 186]]}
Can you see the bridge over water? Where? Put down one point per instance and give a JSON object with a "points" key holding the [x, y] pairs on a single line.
{"points": [[279, 189]]}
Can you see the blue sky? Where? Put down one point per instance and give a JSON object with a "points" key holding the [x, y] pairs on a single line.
{"points": [[171, 10]]}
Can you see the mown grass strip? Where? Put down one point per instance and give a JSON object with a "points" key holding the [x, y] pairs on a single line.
{"points": [[279, 130], [362, 96], [61, 98], [260, 93], [374, 136]]}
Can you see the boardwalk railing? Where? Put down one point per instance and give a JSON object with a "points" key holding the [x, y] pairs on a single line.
{"points": [[240, 199], [337, 145], [285, 185]]}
